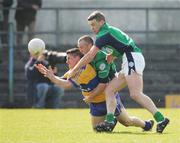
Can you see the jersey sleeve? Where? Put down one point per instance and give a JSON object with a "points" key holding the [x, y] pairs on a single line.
{"points": [[66, 75], [101, 41]]}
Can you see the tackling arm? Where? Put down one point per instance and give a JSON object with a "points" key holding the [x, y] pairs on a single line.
{"points": [[84, 60], [98, 90]]}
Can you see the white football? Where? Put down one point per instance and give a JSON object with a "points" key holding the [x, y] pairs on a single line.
{"points": [[36, 46]]}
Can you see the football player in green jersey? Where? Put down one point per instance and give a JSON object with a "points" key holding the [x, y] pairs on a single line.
{"points": [[120, 45], [105, 72]]}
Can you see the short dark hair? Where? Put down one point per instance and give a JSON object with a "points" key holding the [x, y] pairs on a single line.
{"points": [[74, 52], [87, 39], [97, 15]]}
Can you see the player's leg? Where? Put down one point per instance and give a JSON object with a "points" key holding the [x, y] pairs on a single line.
{"points": [[98, 112], [96, 120], [135, 85], [115, 85], [134, 81], [107, 126], [127, 120]]}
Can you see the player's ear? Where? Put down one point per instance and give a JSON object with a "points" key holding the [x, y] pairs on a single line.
{"points": [[101, 22]]}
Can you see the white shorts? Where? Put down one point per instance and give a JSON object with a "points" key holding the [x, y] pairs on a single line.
{"points": [[139, 64]]}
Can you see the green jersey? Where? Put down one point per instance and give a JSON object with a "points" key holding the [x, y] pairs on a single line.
{"points": [[115, 41], [105, 71]]}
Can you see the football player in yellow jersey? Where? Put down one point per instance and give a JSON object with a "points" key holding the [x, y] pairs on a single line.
{"points": [[121, 46], [86, 79]]}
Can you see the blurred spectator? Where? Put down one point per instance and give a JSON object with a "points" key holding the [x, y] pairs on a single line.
{"points": [[25, 17], [41, 92], [1, 19], [4, 19]]}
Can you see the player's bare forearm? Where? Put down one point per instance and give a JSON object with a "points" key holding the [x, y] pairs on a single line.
{"points": [[98, 90], [63, 83], [87, 58]]}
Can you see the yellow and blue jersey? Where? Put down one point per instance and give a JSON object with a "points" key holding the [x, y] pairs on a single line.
{"points": [[87, 80]]}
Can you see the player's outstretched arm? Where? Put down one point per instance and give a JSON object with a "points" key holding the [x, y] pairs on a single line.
{"points": [[87, 58], [63, 83]]}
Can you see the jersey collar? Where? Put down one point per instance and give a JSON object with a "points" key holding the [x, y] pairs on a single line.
{"points": [[103, 27]]}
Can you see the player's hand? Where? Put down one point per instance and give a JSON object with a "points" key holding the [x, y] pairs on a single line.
{"points": [[46, 72], [88, 99], [109, 58]]}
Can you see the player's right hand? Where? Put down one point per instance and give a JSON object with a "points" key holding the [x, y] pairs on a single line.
{"points": [[109, 58], [46, 72]]}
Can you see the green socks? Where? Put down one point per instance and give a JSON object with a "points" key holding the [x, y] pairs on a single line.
{"points": [[110, 118], [158, 116]]}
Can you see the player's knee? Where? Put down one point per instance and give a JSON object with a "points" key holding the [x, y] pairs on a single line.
{"points": [[109, 91], [135, 95]]}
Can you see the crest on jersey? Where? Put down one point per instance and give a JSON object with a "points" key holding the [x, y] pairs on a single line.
{"points": [[102, 66]]}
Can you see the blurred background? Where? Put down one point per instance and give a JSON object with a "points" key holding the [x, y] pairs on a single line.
{"points": [[153, 24]]}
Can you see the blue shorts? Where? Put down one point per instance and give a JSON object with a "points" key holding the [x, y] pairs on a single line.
{"points": [[99, 109]]}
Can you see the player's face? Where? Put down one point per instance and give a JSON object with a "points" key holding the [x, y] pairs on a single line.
{"points": [[95, 25], [84, 47], [72, 60]]}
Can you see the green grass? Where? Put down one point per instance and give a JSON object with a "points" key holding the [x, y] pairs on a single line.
{"points": [[73, 126]]}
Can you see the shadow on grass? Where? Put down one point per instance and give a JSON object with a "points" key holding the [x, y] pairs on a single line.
{"points": [[138, 133]]}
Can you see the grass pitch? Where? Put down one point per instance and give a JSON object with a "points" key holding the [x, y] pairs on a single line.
{"points": [[73, 126]]}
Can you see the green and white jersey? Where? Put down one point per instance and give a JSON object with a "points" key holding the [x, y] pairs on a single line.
{"points": [[115, 41], [105, 71]]}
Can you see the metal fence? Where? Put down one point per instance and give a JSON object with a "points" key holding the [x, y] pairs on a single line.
{"points": [[58, 32]]}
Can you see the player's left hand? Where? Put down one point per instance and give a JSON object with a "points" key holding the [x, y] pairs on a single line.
{"points": [[46, 72]]}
